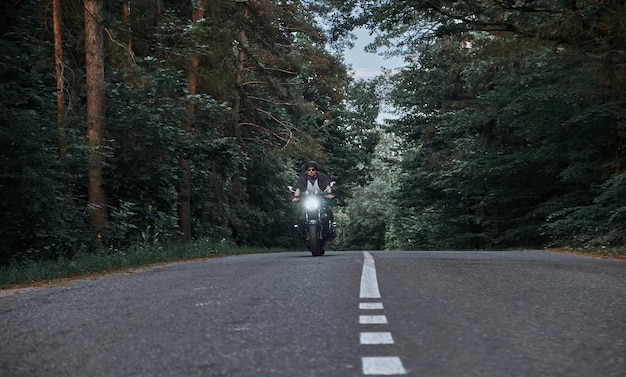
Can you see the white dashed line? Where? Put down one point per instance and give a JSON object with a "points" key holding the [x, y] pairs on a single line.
{"points": [[376, 338], [371, 305], [372, 320], [380, 366], [369, 283], [383, 366]]}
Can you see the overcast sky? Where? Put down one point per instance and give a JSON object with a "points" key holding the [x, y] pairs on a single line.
{"points": [[364, 64]]}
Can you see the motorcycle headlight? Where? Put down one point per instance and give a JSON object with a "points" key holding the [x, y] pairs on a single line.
{"points": [[312, 203]]}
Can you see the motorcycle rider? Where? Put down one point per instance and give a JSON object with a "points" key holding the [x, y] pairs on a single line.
{"points": [[313, 180]]}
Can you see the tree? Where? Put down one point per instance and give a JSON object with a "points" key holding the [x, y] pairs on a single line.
{"points": [[508, 139], [60, 89], [241, 138], [184, 186], [41, 216], [96, 121]]}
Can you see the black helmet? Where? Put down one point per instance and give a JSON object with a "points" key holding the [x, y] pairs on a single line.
{"points": [[311, 164]]}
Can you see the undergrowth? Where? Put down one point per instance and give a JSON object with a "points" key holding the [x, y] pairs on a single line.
{"points": [[90, 263], [143, 254]]}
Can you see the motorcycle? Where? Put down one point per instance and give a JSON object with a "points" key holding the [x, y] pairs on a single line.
{"points": [[315, 223]]}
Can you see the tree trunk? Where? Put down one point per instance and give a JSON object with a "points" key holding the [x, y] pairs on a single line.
{"points": [[242, 45], [58, 62], [184, 186], [241, 60], [94, 70], [126, 14], [158, 13], [126, 21]]}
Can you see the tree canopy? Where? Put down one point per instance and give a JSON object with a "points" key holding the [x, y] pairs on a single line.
{"points": [[510, 128], [513, 121]]}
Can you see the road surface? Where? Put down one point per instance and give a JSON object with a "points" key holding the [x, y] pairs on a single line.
{"points": [[423, 314]]}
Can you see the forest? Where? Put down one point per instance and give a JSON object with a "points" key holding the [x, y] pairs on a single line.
{"points": [[125, 122]]}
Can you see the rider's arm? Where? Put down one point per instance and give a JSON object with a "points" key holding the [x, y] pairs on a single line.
{"points": [[328, 190], [296, 195]]}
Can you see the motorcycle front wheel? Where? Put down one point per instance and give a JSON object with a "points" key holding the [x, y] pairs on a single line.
{"points": [[313, 241]]}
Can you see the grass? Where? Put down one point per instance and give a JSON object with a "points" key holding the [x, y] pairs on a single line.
{"points": [[89, 264], [86, 264]]}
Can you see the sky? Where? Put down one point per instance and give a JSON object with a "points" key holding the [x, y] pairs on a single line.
{"points": [[364, 64], [367, 65]]}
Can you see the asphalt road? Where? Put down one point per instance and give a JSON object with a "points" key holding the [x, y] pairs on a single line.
{"points": [[345, 314]]}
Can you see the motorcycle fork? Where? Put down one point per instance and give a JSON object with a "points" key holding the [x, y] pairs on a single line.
{"points": [[318, 221]]}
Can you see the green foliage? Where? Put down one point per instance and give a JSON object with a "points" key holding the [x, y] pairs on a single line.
{"points": [[512, 148], [255, 108], [356, 136], [145, 141], [145, 254], [512, 130], [600, 224], [39, 216], [366, 218]]}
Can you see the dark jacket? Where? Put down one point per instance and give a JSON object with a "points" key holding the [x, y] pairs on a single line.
{"points": [[323, 182]]}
